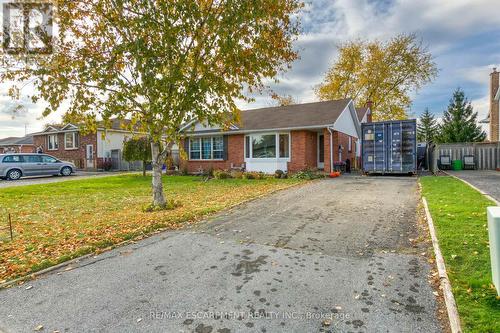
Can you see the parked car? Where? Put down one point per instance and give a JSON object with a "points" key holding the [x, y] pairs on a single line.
{"points": [[15, 166]]}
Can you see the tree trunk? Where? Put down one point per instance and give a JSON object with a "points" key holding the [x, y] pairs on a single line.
{"points": [[158, 197]]}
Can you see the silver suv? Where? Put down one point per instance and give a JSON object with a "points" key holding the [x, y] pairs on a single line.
{"points": [[15, 166]]}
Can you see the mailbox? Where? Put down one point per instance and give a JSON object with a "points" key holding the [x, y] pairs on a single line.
{"points": [[494, 234]]}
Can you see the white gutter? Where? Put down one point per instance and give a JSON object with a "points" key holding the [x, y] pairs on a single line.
{"points": [[331, 148]]}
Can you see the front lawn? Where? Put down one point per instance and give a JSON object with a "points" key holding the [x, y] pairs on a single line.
{"points": [[60, 221], [459, 214]]}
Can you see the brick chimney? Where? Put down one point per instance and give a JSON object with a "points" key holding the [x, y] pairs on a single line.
{"points": [[369, 117], [494, 112]]}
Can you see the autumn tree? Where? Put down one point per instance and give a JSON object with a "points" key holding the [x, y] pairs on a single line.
{"points": [[385, 73], [159, 63], [460, 121], [138, 149], [427, 127]]}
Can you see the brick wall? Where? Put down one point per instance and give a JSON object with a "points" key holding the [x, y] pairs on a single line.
{"points": [[76, 156], [494, 107], [304, 154], [342, 139], [235, 155]]}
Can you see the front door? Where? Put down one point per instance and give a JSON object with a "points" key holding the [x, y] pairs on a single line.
{"points": [[90, 156], [321, 151]]}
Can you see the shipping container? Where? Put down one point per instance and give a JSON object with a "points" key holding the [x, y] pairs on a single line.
{"points": [[389, 147]]}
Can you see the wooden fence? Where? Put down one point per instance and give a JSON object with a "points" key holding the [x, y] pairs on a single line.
{"points": [[486, 154]]}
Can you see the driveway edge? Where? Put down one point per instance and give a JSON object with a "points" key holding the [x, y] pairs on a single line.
{"points": [[486, 195], [449, 299]]}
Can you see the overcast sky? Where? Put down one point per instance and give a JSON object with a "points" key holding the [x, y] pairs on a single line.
{"points": [[462, 35]]}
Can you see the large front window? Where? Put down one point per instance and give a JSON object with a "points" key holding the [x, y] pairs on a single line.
{"points": [[267, 145], [264, 146], [207, 148]]}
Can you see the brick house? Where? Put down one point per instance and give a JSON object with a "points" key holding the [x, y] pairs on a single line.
{"points": [[288, 138], [17, 145], [86, 151]]}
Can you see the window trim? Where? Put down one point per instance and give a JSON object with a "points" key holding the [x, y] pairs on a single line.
{"points": [[276, 138], [200, 138], [75, 141], [56, 142], [349, 145]]}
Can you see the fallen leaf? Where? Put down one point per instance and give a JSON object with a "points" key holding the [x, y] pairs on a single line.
{"points": [[39, 328]]}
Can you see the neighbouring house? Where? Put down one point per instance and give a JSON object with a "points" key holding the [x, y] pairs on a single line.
{"points": [[494, 115], [17, 145], [288, 138], [87, 151]]}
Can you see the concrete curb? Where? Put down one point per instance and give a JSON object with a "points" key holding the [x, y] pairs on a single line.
{"points": [[486, 195], [449, 299], [130, 241]]}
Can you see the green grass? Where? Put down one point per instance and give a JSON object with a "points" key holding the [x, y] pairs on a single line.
{"points": [[60, 221], [459, 214]]}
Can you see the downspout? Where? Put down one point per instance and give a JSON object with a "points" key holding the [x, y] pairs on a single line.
{"points": [[331, 148]]}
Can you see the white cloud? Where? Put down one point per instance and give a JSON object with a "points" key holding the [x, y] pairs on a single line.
{"points": [[443, 25]]}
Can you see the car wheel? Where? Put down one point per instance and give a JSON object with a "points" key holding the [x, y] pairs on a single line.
{"points": [[14, 174], [66, 171]]}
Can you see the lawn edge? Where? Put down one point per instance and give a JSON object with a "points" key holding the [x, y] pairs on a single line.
{"points": [[486, 195], [31, 276], [449, 299]]}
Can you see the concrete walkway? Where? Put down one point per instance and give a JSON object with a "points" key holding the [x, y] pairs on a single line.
{"points": [[330, 256], [486, 180]]}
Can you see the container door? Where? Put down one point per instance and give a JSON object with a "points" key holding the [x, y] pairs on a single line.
{"points": [[394, 147], [380, 148], [409, 147], [368, 147]]}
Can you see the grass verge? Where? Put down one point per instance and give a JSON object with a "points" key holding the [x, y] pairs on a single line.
{"points": [[459, 214], [57, 222]]}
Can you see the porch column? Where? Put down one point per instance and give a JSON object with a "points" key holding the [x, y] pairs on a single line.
{"points": [[327, 150]]}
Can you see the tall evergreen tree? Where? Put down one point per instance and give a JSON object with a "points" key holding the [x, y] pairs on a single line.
{"points": [[427, 127], [460, 121]]}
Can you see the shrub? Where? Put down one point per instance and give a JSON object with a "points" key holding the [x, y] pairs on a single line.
{"points": [[254, 175], [278, 173], [237, 174], [307, 174], [284, 176], [169, 205], [221, 174], [209, 172], [248, 175], [107, 165]]}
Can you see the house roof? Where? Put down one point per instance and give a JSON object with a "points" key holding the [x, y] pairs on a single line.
{"points": [[290, 116], [308, 115], [115, 124], [17, 141], [361, 112]]}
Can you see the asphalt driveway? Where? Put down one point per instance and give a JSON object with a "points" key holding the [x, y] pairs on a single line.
{"points": [[330, 256], [487, 181], [54, 179]]}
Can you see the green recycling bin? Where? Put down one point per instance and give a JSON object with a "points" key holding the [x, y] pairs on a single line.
{"points": [[456, 165]]}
